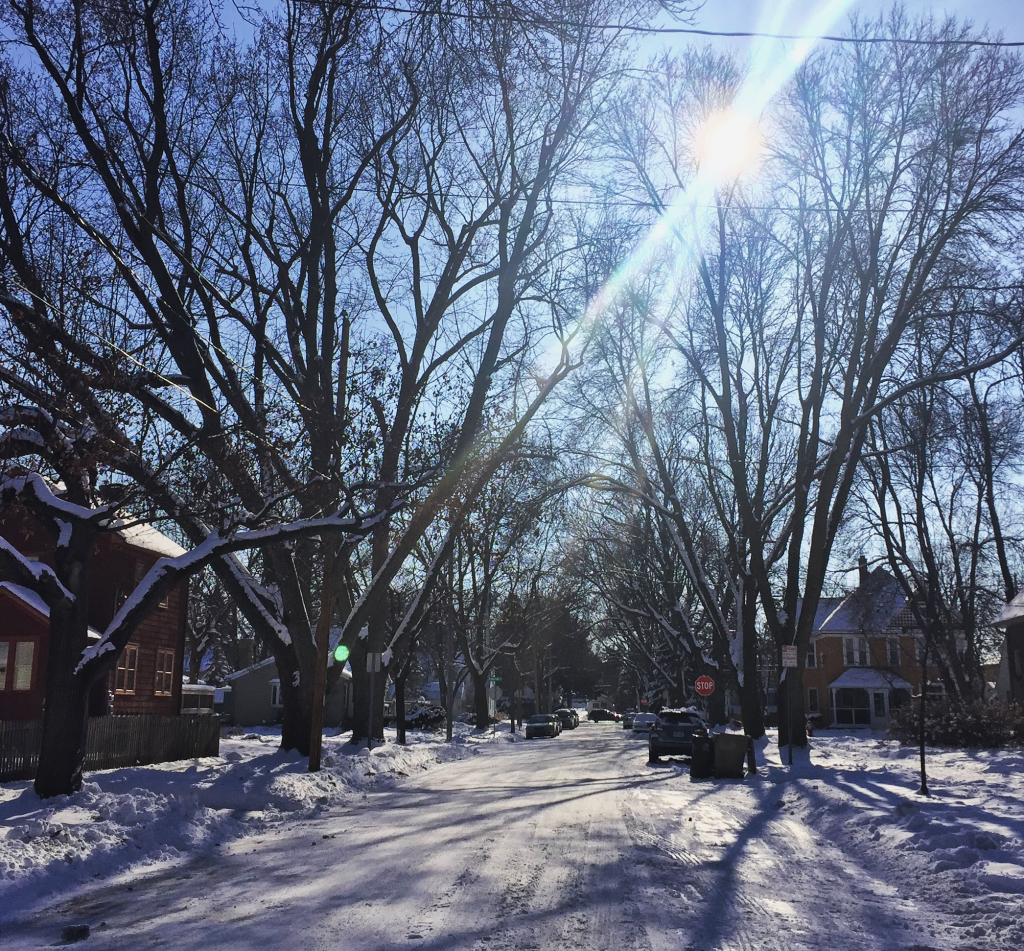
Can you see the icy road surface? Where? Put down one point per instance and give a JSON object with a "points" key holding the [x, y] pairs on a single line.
{"points": [[549, 845]]}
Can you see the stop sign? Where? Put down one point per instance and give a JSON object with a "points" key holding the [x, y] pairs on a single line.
{"points": [[705, 686]]}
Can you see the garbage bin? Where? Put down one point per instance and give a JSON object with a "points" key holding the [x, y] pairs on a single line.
{"points": [[702, 758], [730, 751]]}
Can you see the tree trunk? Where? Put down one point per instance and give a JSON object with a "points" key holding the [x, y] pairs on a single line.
{"points": [[750, 688], [297, 725], [66, 704], [66, 711], [482, 711]]}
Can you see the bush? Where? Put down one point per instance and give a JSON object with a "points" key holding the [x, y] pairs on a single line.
{"points": [[425, 718], [948, 723]]}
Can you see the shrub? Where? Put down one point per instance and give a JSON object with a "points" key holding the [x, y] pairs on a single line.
{"points": [[425, 718], [948, 723]]}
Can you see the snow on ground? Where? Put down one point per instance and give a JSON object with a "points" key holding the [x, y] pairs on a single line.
{"points": [[143, 816], [964, 842], [575, 841]]}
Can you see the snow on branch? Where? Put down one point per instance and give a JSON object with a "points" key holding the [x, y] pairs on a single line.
{"points": [[168, 572]]}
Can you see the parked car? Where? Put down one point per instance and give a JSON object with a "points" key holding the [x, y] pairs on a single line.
{"points": [[599, 713], [627, 719], [643, 721], [672, 733], [570, 718], [543, 724]]}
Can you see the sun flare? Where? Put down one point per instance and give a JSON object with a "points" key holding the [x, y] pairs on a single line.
{"points": [[728, 144]]}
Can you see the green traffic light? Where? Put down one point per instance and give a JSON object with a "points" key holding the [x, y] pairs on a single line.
{"points": [[341, 653]]}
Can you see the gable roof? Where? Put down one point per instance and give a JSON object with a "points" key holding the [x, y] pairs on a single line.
{"points": [[1012, 611], [34, 602], [145, 536], [871, 607]]}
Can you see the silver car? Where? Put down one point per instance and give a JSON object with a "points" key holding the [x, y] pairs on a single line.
{"points": [[642, 722]]}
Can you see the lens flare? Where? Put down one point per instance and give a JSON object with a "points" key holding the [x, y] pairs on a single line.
{"points": [[728, 145]]}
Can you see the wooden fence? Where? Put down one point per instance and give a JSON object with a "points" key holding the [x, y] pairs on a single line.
{"points": [[114, 742]]}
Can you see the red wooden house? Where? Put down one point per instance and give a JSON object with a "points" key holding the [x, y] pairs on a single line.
{"points": [[147, 678]]}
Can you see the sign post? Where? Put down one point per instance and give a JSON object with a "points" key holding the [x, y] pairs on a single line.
{"points": [[789, 663], [372, 667]]}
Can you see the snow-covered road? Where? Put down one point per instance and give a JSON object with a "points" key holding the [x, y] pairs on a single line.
{"points": [[550, 845]]}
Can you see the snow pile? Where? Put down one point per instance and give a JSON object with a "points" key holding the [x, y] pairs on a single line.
{"points": [[125, 818], [964, 842]]}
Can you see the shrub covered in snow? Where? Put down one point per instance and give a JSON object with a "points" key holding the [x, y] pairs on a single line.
{"points": [[949, 723]]}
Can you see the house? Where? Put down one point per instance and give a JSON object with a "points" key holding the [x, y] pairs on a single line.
{"points": [[147, 677], [865, 657], [1010, 678], [254, 697]]}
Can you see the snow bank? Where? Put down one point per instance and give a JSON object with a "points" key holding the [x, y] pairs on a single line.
{"points": [[965, 841], [127, 818]]}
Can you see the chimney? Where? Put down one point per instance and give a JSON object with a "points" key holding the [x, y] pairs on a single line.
{"points": [[862, 567]]}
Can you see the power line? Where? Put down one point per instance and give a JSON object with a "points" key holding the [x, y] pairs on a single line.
{"points": [[549, 23]]}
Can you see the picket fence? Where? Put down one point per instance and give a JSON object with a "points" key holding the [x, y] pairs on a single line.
{"points": [[114, 742]]}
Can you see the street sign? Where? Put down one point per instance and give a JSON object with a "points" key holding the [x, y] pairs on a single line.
{"points": [[705, 686], [789, 655], [373, 663], [494, 680]]}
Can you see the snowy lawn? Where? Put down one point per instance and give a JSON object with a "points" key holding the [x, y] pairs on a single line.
{"points": [[143, 816]]}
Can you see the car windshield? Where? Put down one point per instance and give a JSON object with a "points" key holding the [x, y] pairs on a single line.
{"points": [[678, 716], [539, 718]]}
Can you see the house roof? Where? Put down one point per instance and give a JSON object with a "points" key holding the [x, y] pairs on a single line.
{"points": [[346, 671], [1010, 612], [869, 677], [250, 669], [145, 536], [872, 606], [825, 607], [33, 601]]}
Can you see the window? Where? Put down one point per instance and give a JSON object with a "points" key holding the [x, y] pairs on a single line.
{"points": [[23, 652], [810, 663], [857, 654], [812, 700], [879, 704], [5, 648], [275, 693], [852, 706], [164, 673], [893, 651], [127, 665]]}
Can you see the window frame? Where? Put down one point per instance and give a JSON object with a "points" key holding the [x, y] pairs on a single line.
{"points": [[5, 646], [856, 651], [275, 694], [893, 651], [164, 675], [813, 701], [132, 651], [19, 665]]}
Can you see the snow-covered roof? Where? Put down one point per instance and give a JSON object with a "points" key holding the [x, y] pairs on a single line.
{"points": [[868, 678], [143, 535], [871, 607], [1010, 612], [30, 599], [825, 607], [250, 669]]}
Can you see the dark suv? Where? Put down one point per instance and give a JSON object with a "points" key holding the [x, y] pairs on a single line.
{"points": [[673, 733], [598, 714]]}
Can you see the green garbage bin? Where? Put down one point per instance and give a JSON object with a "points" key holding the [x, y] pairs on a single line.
{"points": [[730, 751], [702, 758]]}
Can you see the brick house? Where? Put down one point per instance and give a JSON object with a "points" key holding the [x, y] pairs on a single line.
{"points": [[865, 657], [147, 679]]}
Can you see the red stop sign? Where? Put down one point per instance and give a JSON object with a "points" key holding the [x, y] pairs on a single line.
{"points": [[705, 686]]}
